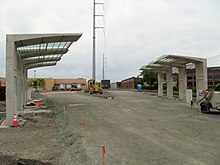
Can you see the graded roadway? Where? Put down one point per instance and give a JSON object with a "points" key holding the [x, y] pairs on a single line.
{"points": [[136, 129]]}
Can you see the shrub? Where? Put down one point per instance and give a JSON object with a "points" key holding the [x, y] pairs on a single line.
{"points": [[193, 88], [217, 87], [175, 88], [211, 86]]}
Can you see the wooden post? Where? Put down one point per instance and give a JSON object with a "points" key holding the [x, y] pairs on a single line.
{"points": [[83, 127], [64, 112]]}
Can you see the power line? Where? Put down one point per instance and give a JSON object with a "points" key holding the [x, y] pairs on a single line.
{"points": [[213, 57], [213, 61]]}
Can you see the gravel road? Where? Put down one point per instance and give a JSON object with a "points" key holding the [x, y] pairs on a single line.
{"points": [[135, 129]]}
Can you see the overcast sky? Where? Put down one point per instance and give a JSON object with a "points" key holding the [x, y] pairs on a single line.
{"points": [[137, 32]]}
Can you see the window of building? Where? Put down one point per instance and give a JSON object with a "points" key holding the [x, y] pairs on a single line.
{"points": [[217, 71]]}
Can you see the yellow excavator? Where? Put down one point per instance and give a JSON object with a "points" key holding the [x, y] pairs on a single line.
{"points": [[93, 87]]}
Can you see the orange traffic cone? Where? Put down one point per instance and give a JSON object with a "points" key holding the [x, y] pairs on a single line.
{"points": [[15, 121], [38, 104]]}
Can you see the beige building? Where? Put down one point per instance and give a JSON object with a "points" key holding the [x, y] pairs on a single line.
{"points": [[2, 82], [50, 83]]}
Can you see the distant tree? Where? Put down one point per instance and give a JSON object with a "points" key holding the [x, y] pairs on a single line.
{"points": [[32, 83], [149, 77], [41, 83], [217, 87], [37, 83]]}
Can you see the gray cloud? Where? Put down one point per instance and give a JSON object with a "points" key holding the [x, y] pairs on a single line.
{"points": [[137, 32]]}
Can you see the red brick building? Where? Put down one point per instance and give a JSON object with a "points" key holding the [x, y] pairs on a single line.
{"points": [[213, 75], [130, 83]]}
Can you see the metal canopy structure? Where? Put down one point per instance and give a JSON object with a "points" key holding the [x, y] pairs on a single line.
{"points": [[44, 51], [164, 65], [28, 51], [167, 62]]}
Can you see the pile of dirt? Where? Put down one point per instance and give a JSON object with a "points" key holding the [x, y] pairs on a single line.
{"points": [[37, 120], [105, 95]]}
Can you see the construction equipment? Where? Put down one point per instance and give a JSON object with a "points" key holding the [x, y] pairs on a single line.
{"points": [[93, 87], [212, 100]]}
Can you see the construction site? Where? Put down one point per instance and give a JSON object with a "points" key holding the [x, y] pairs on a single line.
{"points": [[167, 114], [106, 126], [135, 128]]}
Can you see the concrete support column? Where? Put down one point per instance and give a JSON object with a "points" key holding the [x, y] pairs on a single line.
{"points": [[201, 77], [182, 83], [169, 84], [11, 79], [160, 84], [25, 86], [19, 83]]}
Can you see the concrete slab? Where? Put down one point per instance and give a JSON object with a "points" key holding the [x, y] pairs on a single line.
{"points": [[29, 111]]}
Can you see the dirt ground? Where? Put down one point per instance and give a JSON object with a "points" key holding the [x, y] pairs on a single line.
{"points": [[33, 143], [135, 128]]}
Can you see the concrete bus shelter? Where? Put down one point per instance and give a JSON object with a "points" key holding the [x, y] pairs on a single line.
{"points": [[165, 64], [28, 51]]}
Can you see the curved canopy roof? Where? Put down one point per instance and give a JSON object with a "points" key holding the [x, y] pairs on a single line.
{"points": [[168, 62], [39, 50]]}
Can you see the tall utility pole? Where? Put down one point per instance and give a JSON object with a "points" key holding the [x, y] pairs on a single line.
{"points": [[104, 62], [93, 55], [103, 69], [94, 39], [34, 74]]}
